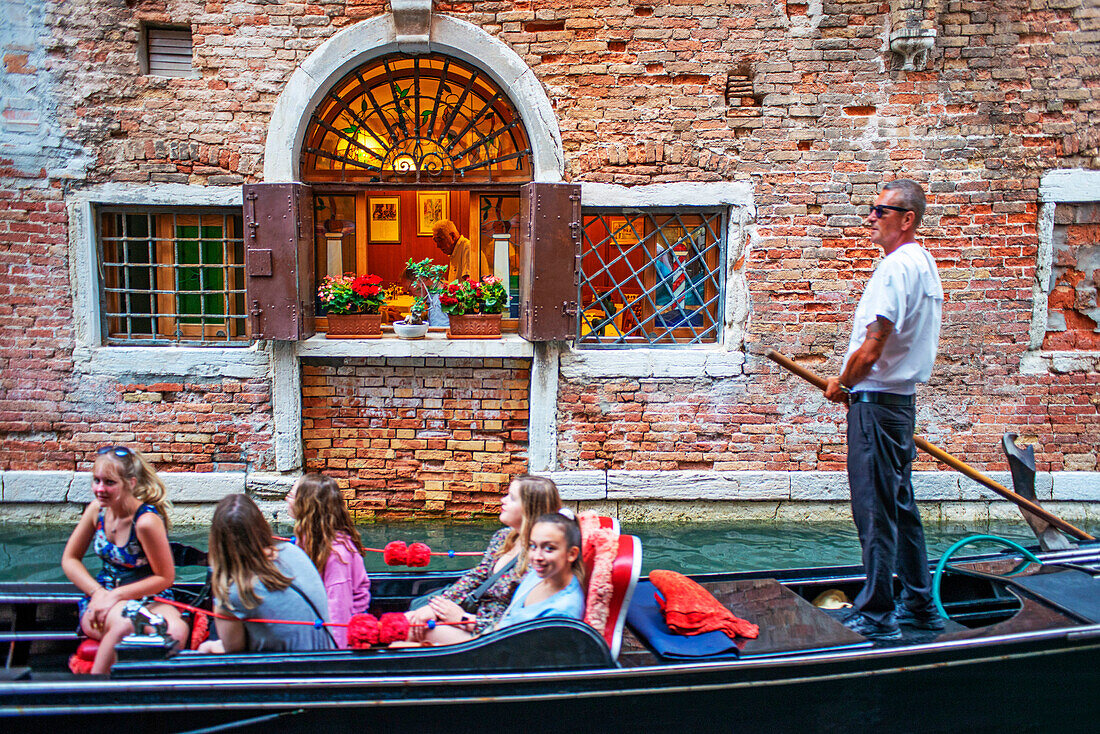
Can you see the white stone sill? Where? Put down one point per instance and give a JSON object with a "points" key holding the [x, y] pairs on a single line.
{"points": [[714, 361], [434, 345], [244, 362]]}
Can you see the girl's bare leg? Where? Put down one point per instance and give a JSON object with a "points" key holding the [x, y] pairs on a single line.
{"points": [[114, 630]]}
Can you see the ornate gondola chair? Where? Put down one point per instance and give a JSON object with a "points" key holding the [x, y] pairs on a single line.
{"points": [[612, 564]]}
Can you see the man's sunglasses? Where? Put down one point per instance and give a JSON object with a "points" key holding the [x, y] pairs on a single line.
{"points": [[879, 210], [120, 451]]}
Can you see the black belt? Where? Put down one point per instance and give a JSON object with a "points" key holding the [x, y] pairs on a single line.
{"points": [[882, 398]]}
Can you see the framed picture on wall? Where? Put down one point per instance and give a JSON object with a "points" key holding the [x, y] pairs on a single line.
{"points": [[431, 206], [620, 229], [384, 213]]}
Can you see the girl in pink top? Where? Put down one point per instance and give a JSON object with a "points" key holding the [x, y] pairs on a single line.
{"points": [[325, 531]]}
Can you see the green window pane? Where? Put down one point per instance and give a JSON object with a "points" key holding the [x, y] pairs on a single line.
{"points": [[205, 252]]}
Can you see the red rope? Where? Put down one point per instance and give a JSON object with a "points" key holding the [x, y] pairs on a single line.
{"points": [[197, 610], [436, 553], [215, 615]]}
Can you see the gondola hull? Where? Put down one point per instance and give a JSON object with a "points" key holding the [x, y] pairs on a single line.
{"points": [[1036, 670]]}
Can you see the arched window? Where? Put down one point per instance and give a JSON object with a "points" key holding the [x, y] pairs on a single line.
{"points": [[416, 119]]}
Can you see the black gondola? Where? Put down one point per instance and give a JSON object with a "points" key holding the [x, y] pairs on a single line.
{"points": [[1021, 654]]}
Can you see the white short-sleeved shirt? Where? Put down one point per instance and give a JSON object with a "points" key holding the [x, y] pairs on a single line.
{"points": [[904, 289]]}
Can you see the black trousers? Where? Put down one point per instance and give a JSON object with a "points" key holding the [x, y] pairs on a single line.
{"points": [[880, 464]]}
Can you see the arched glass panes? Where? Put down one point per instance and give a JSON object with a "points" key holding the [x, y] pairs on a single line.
{"points": [[414, 119]]}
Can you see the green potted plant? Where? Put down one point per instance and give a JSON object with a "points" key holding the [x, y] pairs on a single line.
{"points": [[475, 308], [353, 305], [422, 280]]}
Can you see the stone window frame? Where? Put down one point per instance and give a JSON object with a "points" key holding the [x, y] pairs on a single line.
{"points": [[92, 352], [172, 316], [724, 358], [1057, 186]]}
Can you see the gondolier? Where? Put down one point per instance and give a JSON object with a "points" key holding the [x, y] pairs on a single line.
{"points": [[892, 347]]}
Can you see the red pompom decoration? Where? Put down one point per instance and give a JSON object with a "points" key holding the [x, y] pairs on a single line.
{"points": [[81, 662], [395, 553], [419, 554], [200, 630], [392, 627], [363, 631]]}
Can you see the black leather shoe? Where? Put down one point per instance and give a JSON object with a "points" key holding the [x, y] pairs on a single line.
{"points": [[871, 629], [930, 620]]}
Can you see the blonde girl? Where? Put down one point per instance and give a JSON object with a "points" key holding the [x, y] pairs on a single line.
{"points": [[127, 526], [482, 594], [325, 531]]}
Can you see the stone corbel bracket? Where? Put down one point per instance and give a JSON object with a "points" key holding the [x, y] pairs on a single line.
{"points": [[413, 21], [913, 45], [913, 31]]}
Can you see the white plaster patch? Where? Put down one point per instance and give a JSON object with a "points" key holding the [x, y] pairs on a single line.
{"points": [[689, 485], [204, 486], [36, 486], [1070, 185], [1076, 486], [1066, 362], [581, 485]]}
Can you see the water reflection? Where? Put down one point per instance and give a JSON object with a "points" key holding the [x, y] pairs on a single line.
{"points": [[33, 553]]}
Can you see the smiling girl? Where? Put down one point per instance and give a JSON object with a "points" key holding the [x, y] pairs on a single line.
{"points": [[127, 526], [482, 594], [550, 588]]}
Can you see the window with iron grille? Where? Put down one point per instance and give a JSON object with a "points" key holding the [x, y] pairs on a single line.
{"points": [[651, 277], [172, 276]]}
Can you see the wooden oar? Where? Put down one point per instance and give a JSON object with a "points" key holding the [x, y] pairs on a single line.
{"points": [[820, 382]]}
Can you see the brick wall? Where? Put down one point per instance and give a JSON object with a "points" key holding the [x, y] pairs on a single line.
{"points": [[811, 108], [199, 425], [417, 437]]}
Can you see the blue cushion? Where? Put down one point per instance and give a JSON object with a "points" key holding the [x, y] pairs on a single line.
{"points": [[648, 622]]}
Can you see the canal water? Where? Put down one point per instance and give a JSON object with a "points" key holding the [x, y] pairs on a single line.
{"points": [[33, 553]]}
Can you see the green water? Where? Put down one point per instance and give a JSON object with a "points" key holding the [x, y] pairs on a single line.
{"points": [[33, 553]]}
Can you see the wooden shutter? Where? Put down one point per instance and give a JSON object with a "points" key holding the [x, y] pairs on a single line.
{"points": [[168, 52], [550, 239], [278, 260]]}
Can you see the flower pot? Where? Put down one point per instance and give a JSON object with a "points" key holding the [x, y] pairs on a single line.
{"points": [[475, 326], [354, 325], [410, 331]]}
